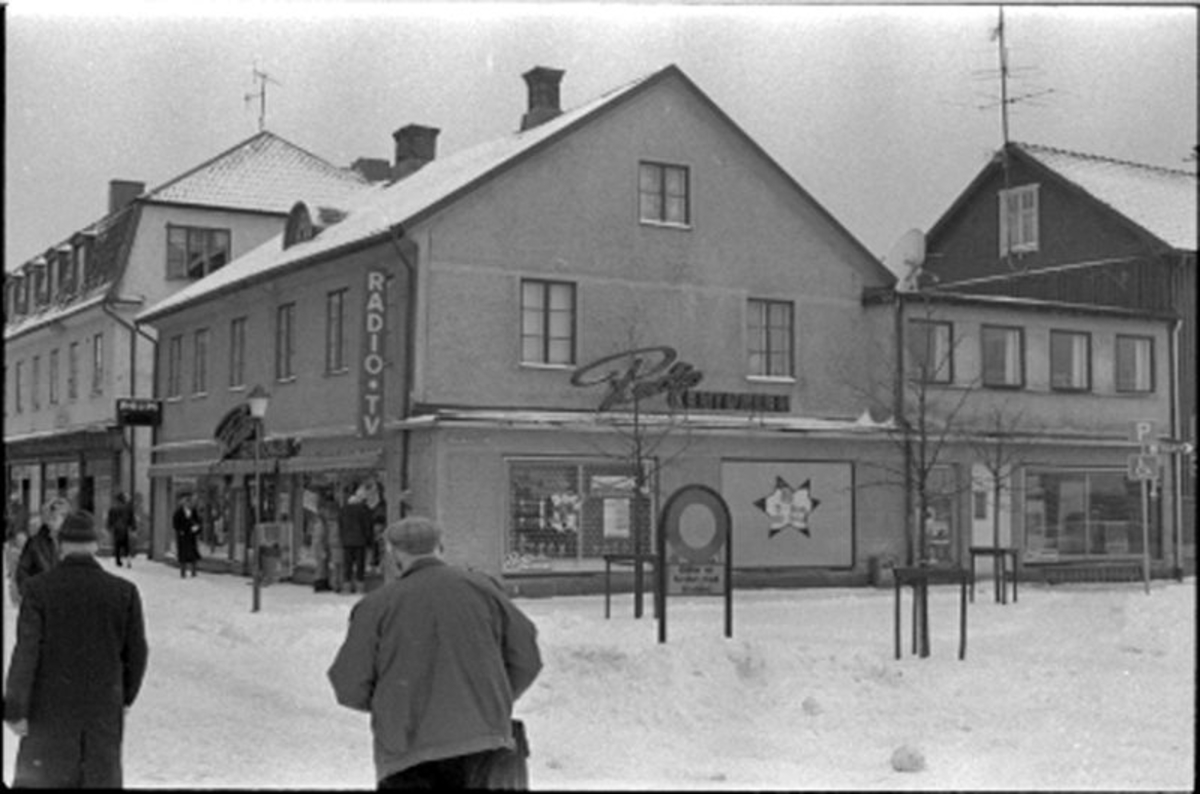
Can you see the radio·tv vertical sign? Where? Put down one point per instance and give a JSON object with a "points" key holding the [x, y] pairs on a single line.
{"points": [[373, 355]]}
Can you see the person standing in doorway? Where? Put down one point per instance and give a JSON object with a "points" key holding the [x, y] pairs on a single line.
{"points": [[438, 658], [356, 526], [77, 666], [40, 553], [186, 523], [121, 528]]}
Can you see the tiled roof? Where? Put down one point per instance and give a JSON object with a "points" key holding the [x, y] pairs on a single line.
{"points": [[264, 173], [379, 209], [1160, 200]]}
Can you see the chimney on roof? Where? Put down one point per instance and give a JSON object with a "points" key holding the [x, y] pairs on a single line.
{"points": [[372, 169], [416, 145], [543, 96], [122, 192]]}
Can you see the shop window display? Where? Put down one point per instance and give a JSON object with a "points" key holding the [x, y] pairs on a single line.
{"points": [[567, 515], [1070, 514]]}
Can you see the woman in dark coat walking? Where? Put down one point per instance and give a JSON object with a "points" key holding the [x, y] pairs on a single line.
{"points": [[186, 524]]}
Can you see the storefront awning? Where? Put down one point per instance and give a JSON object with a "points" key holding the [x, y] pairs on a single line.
{"points": [[215, 467], [370, 459]]}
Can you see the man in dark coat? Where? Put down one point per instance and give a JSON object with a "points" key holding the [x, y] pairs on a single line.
{"points": [[40, 553], [121, 527], [437, 657], [77, 666], [356, 525]]}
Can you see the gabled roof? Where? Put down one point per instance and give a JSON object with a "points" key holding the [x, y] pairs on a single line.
{"points": [[262, 174], [380, 211], [1159, 203]]}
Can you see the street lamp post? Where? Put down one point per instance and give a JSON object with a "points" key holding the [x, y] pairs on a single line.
{"points": [[258, 399]]}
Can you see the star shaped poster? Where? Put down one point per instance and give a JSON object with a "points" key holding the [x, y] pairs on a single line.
{"points": [[788, 507]]}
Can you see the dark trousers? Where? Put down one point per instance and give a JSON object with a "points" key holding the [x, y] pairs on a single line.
{"points": [[121, 546], [473, 771], [356, 563]]}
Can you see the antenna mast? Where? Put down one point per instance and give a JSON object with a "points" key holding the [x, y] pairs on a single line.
{"points": [[263, 78]]}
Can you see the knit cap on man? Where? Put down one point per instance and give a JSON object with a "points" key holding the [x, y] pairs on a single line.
{"points": [[415, 535], [78, 527]]}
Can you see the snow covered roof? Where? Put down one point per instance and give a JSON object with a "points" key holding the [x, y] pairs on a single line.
{"points": [[263, 173], [375, 210], [1161, 201]]}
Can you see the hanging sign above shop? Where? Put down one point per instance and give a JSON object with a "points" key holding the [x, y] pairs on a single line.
{"points": [[373, 358], [139, 411], [234, 430]]}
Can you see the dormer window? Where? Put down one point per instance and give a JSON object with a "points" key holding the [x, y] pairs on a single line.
{"points": [[194, 252], [1019, 220], [299, 227], [79, 265], [41, 283], [65, 276]]}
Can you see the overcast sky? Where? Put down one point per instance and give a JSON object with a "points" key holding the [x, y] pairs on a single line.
{"points": [[883, 113]]}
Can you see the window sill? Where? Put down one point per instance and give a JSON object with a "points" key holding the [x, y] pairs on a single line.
{"points": [[287, 380], [682, 227], [333, 373], [199, 395], [1005, 386], [539, 365], [782, 379]]}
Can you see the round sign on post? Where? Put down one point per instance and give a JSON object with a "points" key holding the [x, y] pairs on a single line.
{"points": [[694, 553]]}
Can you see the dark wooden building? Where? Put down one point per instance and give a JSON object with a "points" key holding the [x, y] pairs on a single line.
{"points": [[1045, 223]]}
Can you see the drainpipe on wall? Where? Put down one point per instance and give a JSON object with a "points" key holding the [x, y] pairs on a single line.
{"points": [[134, 330], [410, 324], [1176, 458]]}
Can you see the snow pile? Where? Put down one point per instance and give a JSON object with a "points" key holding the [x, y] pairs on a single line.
{"points": [[1074, 687]]}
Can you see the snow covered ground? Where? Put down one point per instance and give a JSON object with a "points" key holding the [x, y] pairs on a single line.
{"points": [[1073, 687]]}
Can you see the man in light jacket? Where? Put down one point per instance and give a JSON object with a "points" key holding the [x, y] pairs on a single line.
{"points": [[437, 657]]}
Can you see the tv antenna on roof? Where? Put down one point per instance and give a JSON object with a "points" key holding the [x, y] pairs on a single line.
{"points": [[263, 78]]}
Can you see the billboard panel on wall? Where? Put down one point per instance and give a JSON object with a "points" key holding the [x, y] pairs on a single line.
{"points": [[790, 513]]}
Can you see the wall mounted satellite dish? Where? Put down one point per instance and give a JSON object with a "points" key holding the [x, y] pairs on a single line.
{"points": [[906, 258]]}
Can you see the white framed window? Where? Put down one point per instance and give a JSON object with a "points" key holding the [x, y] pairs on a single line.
{"points": [[54, 376], [1070, 361], [769, 331], [335, 331], [18, 386], [97, 363], [547, 322], [930, 344], [664, 193], [1135, 364], [285, 341], [1003, 356], [200, 361], [73, 371], [194, 252], [175, 366], [237, 352], [1019, 219], [35, 377]]}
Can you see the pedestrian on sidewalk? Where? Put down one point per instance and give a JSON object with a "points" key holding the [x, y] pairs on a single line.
{"points": [[121, 528], [77, 666], [186, 523], [438, 658], [40, 553]]}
